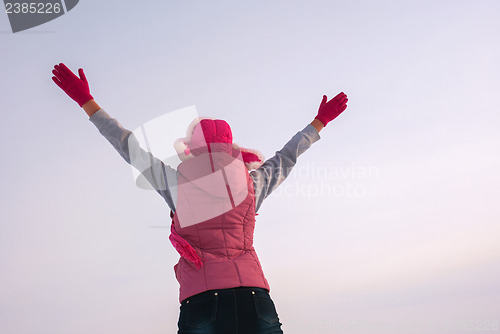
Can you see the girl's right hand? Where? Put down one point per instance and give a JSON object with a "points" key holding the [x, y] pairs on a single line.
{"points": [[328, 111]]}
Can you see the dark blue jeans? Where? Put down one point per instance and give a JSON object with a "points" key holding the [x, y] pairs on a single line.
{"points": [[242, 310]]}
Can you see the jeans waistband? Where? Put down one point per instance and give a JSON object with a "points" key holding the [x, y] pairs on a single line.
{"points": [[224, 291]]}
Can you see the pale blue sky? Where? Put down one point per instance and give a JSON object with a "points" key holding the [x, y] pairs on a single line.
{"points": [[391, 219]]}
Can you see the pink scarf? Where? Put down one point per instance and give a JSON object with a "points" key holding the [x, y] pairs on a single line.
{"points": [[183, 247]]}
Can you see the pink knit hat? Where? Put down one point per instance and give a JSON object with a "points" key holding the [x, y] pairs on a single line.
{"points": [[206, 134]]}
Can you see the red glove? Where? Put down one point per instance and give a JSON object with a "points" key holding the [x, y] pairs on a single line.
{"points": [[77, 88], [328, 111]]}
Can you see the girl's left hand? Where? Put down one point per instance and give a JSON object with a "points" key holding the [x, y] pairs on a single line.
{"points": [[76, 87]]}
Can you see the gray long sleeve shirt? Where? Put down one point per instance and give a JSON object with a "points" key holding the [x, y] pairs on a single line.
{"points": [[163, 178]]}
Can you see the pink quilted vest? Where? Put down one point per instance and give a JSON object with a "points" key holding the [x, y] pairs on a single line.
{"points": [[215, 214]]}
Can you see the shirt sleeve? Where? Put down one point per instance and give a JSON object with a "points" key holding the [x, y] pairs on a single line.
{"points": [[162, 178], [276, 169]]}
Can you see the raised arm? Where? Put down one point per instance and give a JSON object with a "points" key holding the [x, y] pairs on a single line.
{"points": [[162, 178], [276, 169]]}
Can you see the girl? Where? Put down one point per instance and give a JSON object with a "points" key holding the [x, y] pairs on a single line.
{"points": [[214, 196]]}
